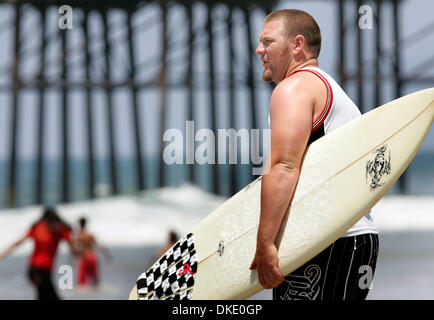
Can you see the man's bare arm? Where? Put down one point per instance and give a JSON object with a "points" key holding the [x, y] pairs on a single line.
{"points": [[291, 112]]}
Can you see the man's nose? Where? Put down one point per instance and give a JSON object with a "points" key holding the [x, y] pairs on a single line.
{"points": [[260, 49]]}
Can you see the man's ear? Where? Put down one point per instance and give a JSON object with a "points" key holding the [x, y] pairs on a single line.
{"points": [[298, 43]]}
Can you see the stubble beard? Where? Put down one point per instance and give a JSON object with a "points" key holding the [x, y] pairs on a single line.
{"points": [[266, 76]]}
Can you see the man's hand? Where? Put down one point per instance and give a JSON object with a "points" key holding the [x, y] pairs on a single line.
{"points": [[266, 262]]}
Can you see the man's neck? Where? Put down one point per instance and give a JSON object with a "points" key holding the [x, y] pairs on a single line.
{"points": [[313, 62]]}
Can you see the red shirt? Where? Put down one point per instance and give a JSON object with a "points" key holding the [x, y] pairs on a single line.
{"points": [[46, 243]]}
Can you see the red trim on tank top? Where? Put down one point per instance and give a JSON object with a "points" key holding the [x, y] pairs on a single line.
{"points": [[329, 101]]}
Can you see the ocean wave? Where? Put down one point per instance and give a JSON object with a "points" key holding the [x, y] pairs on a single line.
{"points": [[147, 217]]}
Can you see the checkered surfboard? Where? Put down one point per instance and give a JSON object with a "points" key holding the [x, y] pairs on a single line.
{"points": [[172, 276]]}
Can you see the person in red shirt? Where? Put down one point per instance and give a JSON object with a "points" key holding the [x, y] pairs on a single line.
{"points": [[46, 233]]}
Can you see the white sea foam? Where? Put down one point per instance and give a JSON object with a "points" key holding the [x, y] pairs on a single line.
{"points": [[142, 219], [146, 218], [404, 213]]}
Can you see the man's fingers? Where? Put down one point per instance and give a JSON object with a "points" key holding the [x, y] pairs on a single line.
{"points": [[270, 279], [266, 264], [269, 282], [266, 278], [261, 279], [278, 275]]}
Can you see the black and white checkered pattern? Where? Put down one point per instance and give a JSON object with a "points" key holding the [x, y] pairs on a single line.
{"points": [[163, 278], [184, 295]]}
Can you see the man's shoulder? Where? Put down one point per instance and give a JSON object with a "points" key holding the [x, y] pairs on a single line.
{"points": [[84, 235], [300, 81], [301, 84]]}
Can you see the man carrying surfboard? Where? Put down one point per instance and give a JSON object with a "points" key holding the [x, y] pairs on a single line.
{"points": [[305, 105]]}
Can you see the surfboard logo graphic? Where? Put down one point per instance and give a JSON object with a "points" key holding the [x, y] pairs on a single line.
{"points": [[185, 269], [378, 167]]}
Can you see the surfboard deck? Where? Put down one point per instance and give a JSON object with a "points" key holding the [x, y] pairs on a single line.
{"points": [[344, 174]]}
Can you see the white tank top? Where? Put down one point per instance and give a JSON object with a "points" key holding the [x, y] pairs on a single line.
{"points": [[338, 110]]}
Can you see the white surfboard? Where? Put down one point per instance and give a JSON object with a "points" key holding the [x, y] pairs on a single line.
{"points": [[344, 174]]}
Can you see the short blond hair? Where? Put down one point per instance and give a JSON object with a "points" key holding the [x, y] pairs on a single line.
{"points": [[298, 22]]}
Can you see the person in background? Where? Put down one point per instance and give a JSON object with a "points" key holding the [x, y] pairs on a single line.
{"points": [[46, 234], [87, 267], [173, 238]]}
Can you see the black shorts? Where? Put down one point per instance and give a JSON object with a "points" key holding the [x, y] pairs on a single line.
{"points": [[343, 271]]}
